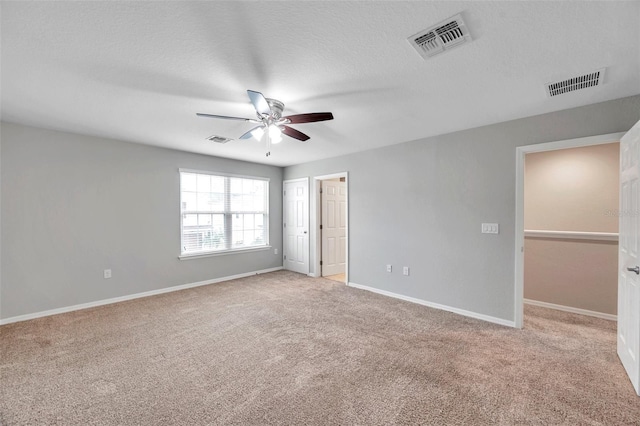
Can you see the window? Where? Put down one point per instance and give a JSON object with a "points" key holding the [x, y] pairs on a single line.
{"points": [[222, 213]]}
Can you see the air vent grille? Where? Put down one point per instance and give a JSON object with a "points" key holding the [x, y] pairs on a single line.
{"points": [[219, 139], [425, 38], [585, 81], [449, 33]]}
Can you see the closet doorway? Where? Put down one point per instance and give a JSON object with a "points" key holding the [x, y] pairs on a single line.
{"points": [[567, 226], [332, 227], [571, 199]]}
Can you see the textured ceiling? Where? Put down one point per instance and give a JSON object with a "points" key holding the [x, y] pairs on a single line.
{"points": [[139, 71]]}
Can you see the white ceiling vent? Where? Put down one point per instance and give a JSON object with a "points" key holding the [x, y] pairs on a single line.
{"points": [[449, 33], [219, 139], [592, 79]]}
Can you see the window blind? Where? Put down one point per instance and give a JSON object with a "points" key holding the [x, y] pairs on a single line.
{"points": [[220, 212]]}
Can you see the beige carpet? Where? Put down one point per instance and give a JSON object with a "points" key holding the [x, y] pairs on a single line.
{"points": [[283, 348]]}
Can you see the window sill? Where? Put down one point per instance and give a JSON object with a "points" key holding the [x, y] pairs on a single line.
{"points": [[222, 252]]}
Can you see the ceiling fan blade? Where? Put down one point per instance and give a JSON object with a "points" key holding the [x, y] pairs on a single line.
{"points": [[259, 102], [309, 118], [250, 133], [293, 133], [226, 117]]}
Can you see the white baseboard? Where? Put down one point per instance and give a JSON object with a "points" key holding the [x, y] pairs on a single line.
{"points": [[131, 296], [436, 305], [602, 315]]}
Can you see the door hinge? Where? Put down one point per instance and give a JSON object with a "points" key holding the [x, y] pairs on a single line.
{"points": [[321, 263], [285, 257], [321, 190], [284, 225], [320, 226], [284, 192]]}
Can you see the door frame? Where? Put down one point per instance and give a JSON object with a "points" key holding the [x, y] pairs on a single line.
{"points": [[521, 152], [315, 210], [284, 209]]}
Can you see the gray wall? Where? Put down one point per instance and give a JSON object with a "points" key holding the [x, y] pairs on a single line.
{"points": [[420, 204], [74, 205]]}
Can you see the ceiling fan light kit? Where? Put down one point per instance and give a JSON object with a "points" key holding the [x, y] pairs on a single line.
{"points": [[275, 134], [271, 122]]}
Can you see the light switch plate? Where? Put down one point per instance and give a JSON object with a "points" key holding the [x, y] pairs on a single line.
{"points": [[490, 228]]}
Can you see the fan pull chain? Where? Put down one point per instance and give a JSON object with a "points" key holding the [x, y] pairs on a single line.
{"points": [[268, 142]]}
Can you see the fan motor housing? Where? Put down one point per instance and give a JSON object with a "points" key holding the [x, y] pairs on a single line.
{"points": [[276, 107]]}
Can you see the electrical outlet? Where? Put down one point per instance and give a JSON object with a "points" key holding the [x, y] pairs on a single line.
{"points": [[275, 251], [107, 273], [389, 268], [405, 270]]}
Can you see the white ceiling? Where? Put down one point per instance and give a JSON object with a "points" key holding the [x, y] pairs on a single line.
{"points": [[139, 71]]}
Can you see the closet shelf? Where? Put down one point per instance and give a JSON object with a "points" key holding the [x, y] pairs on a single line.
{"points": [[571, 235]]}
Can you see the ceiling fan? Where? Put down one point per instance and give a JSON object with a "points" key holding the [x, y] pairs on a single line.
{"points": [[271, 122]]}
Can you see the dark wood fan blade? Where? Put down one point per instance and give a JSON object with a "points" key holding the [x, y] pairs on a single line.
{"points": [[259, 102], [250, 134], [293, 133], [309, 118], [225, 117]]}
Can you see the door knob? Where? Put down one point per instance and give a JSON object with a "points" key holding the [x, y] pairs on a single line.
{"points": [[305, 232], [636, 270]]}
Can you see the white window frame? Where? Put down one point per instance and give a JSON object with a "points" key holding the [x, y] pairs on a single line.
{"points": [[266, 246]]}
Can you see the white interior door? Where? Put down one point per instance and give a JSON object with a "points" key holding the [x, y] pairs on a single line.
{"points": [[296, 226], [334, 226], [629, 264]]}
